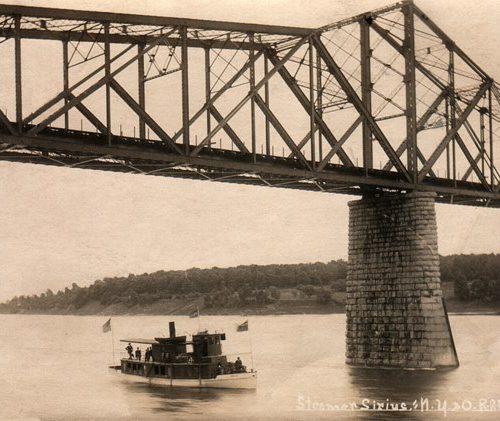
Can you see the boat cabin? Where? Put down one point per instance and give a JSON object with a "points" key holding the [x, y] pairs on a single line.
{"points": [[176, 357]]}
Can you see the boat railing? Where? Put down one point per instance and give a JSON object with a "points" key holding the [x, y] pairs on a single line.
{"points": [[245, 357], [165, 363]]}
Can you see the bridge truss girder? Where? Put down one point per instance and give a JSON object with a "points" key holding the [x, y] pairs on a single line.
{"points": [[342, 79]]}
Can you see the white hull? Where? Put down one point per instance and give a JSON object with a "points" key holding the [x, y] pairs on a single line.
{"points": [[222, 381]]}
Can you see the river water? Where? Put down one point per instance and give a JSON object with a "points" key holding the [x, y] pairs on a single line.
{"points": [[55, 367]]}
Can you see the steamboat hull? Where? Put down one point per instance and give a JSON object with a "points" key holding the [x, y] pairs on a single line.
{"points": [[222, 381]]}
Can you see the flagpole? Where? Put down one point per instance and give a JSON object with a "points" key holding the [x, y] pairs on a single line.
{"points": [[198, 313], [112, 342], [251, 347]]}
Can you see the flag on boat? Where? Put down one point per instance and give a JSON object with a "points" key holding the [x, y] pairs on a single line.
{"points": [[243, 327], [195, 313], [106, 327]]}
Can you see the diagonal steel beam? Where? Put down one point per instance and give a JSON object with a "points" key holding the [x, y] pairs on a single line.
{"points": [[63, 94], [431, 110], [387, 36], [475, 139], [472, 162], [482, 153], [218, 94], [471, 169], [101, 82], [304, 101], [358, 104], [420, 124], [6, 123], [250, 94], [373, 13], [89, 115], [144, 115], [281, 130], [6, 146], [452, 133], [229, 131], [86, 161], [339, 144], [449, 42], [303, 142]]}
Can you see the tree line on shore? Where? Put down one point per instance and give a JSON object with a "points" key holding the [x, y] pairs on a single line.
{"points": [[474, 277]]}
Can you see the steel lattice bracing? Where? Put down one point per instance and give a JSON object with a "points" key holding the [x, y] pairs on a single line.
{"points": [[381, 101]]}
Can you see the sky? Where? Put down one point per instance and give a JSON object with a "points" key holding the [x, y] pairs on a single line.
{"points": [[60, 225]]}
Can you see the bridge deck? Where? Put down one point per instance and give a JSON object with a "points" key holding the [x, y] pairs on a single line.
{"points": [[88, 150]]}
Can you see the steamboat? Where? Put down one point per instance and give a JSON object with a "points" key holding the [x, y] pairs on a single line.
{"points": [[174, 361]]}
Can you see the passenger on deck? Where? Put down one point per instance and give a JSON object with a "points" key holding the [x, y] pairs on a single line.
{"points": [[130, 351], [138, 354], [238, 365], [220, 369], [147, 354]]}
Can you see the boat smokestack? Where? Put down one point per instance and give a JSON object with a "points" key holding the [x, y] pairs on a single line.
{"points": [[171, 327]]}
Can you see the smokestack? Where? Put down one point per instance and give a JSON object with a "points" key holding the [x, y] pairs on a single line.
{"points": [[171, 327]]}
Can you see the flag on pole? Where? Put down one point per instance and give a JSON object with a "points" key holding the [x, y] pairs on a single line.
{"points": [[195, 313], [106, 327], [242, 327]]}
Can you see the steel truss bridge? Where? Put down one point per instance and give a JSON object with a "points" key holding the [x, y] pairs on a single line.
{"points": [[382, 101]]}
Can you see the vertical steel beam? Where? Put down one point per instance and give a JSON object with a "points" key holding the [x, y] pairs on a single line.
{"points": [[18, 66], [448, 126], [452, 108], [207, 90], [66, 82], [312, 123], [266, 100], [251, 54], [319, 100], [482, 128], [141, 89], [366, 90], [185, 89], [411, 94], [490, 135], [107, 71]]}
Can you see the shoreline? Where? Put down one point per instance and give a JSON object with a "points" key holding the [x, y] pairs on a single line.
{"points": [[186, 307], [228, 313]]}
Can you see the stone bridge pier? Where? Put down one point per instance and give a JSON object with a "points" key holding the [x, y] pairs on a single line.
{"points": [[396, 316]]}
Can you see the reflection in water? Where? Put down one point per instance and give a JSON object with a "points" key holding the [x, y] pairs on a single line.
{"points": [[393, 387], [182, 399]]}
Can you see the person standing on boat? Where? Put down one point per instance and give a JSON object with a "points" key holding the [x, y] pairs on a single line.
{"points": [[220, 369], [238, 365], [130, 351], [138, 354]]}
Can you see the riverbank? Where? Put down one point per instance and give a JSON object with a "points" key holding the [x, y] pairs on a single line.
{"points": [[184, 307]]}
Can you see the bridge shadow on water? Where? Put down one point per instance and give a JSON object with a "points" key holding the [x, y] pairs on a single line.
{"points": [[385, 393]]}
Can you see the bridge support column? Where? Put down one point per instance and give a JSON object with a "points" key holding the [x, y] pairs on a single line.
{"points": [[395, 311]]}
